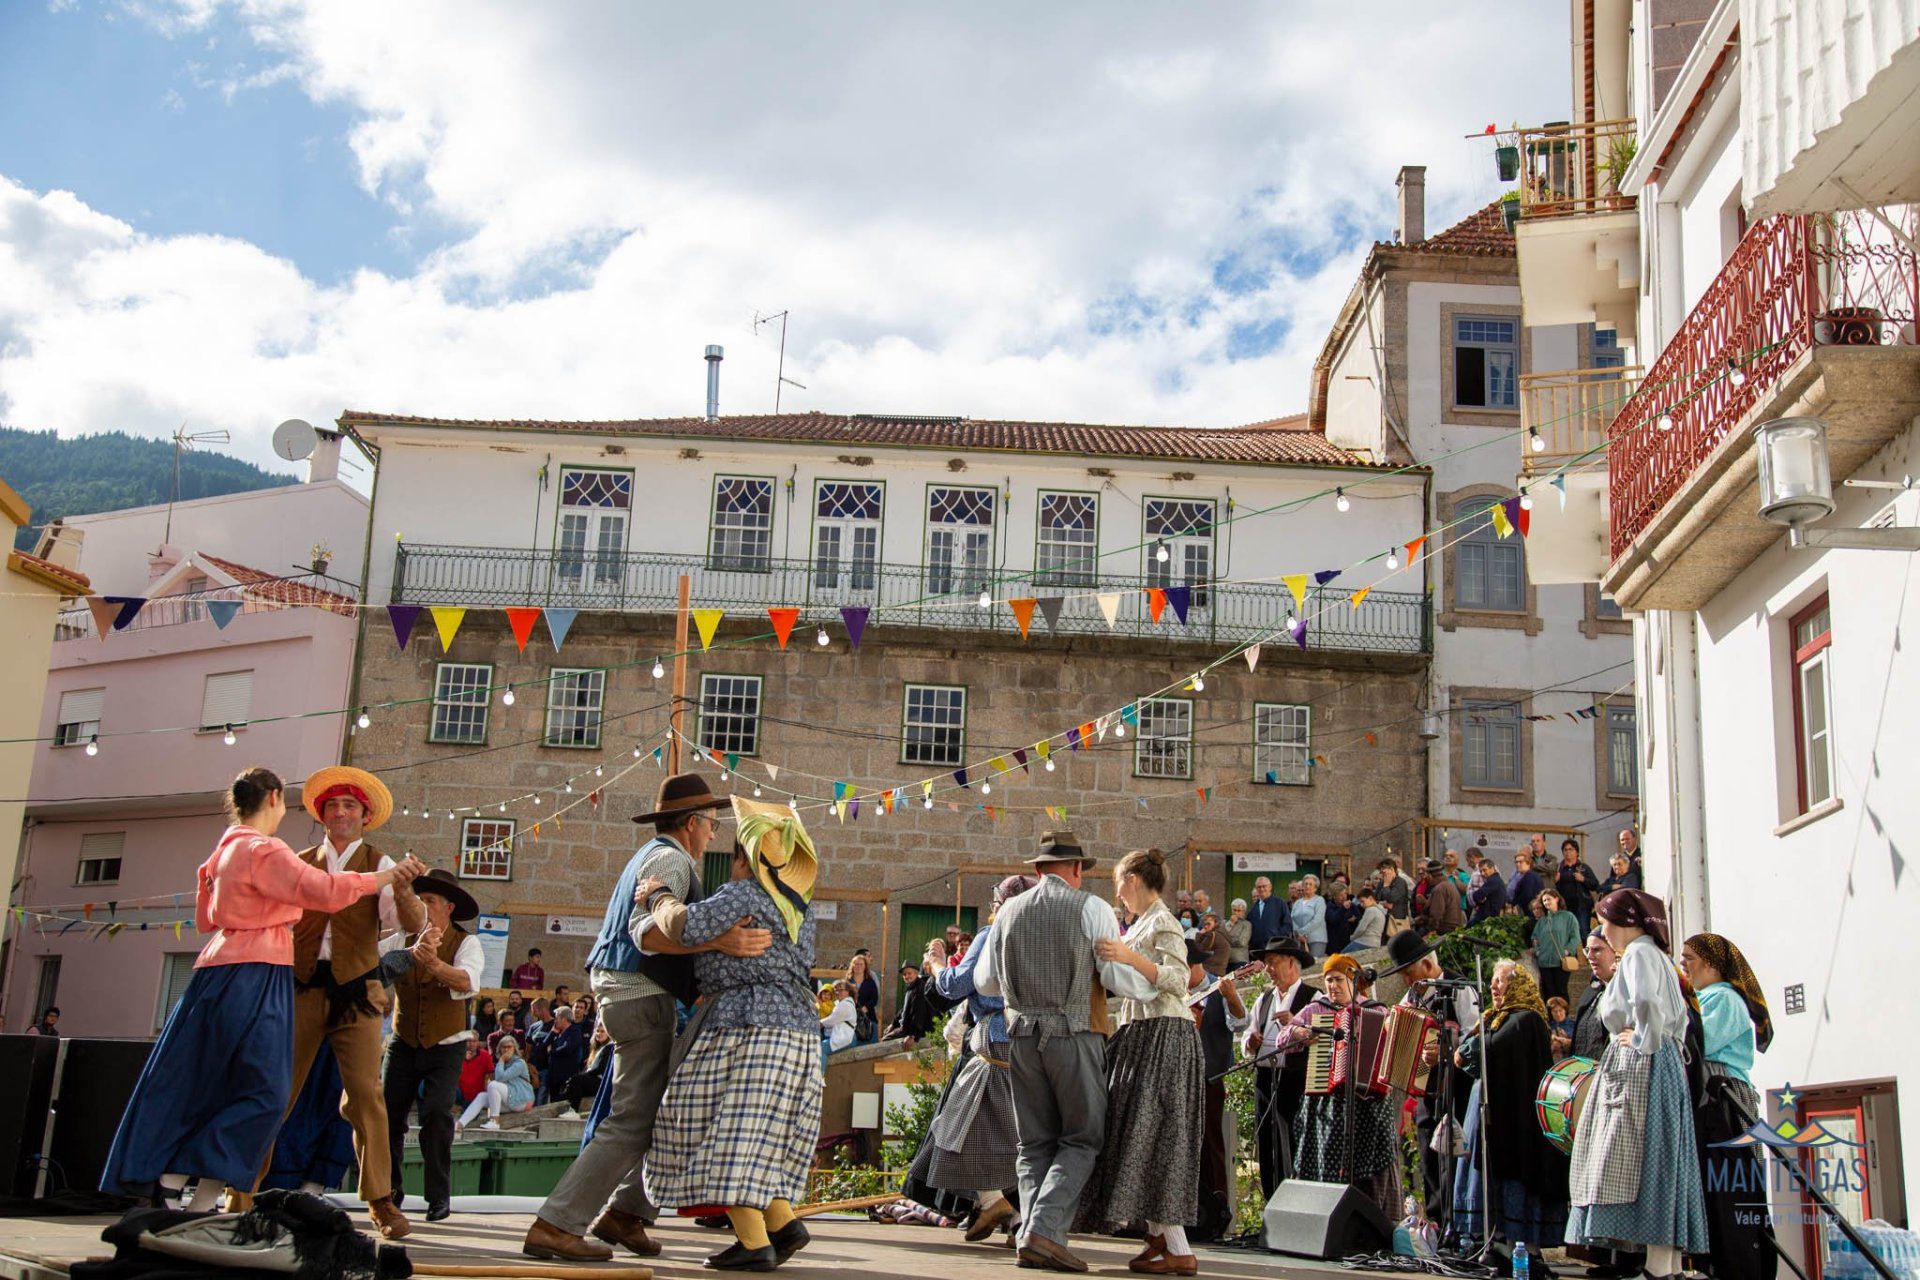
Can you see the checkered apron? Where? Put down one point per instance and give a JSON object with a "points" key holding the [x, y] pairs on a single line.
{"points": [[739, 1122], [1609, 1147]]}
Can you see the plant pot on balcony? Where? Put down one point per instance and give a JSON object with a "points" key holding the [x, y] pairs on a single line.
{"points": [[319, 567], [1508, 161], [1849, 327], [1510, 211]]}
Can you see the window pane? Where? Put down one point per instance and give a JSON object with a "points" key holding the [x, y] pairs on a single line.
{"points": [[1623, 765], [609, 490], [1281, 752], [934, 725], [486, 849], [460, 702], [742, 534], [1469, 376], [573, 708], [1163, 748], [1065, 553], [1490, 571], [1811, 628], [1814, 711], [730, 714], [1490, 746]]}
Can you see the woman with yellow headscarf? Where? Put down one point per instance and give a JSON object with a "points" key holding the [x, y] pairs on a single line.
{"points": [[1512, 1050], [742, 1111]]}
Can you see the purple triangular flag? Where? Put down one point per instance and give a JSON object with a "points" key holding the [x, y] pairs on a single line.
{"points": [[853, 810], [130, 607], [1300, 633], [1050, 610], [559, 622], [960, 776], [403, 616], [1324, 576], [1180, 598], [1020, 758], [222, 611], [1512, 508], [855, 616]]}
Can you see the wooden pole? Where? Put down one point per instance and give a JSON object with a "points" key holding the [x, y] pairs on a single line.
{"points": [[679, 673]]}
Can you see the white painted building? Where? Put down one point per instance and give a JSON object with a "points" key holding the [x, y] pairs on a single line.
{"points": [[1427, 363], [1767, 148]]}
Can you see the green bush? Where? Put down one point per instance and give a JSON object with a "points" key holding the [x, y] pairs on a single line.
{"points": [[910, 1122], [1506, 933]]}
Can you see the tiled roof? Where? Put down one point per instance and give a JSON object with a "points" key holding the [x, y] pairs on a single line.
{"points": [[54, 575], [1481, 234], [1280, 440], [261, 585]]}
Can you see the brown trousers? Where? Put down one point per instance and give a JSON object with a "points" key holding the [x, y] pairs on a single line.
{"points": [[357, 1045]]}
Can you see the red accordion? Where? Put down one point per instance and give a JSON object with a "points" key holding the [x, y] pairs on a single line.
{"points": [[1388, 1043]]}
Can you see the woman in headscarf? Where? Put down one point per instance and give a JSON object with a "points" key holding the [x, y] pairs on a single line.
{"points": [[737, 1127], [966, 1163], [1734, 1024], [1529, 1174], [1320, 1131], [1636, 1168]]}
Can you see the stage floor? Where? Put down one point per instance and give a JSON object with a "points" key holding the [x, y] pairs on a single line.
{"points": [[42, 1248]]}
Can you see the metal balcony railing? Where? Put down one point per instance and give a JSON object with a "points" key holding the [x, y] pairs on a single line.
{"points": [[900, 595], [1568, 411], [267, 596], [1568, 169], [1794, 282]]}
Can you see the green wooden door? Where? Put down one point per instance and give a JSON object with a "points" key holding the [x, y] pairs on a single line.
{"points": [[919, 925]]}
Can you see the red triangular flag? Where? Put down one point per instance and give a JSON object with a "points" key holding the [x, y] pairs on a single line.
{"points": [[1522, 519], [522, 620], [1156, 601], [783, 620], [1023, 613]]}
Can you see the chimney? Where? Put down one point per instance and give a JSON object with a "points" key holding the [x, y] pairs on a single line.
{"points": [[714, 356], [324, 462], [1412, 184]]}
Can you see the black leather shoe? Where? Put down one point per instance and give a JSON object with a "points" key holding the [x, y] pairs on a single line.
{"points": [[737, 1257], [790, 1240], [439, 1212]]}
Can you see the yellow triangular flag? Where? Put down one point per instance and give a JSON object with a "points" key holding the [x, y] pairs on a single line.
{"points": [[708, 621], [1358, 596], [446, 620], [999, 764], [1297, 583], [1501, 525]]}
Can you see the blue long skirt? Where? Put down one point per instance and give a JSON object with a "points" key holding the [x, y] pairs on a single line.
{"points": [[215, 1086], [316, 1142], [1535, 1216]]}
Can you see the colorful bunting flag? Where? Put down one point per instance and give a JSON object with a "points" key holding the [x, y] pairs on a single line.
{"points": [[926, 789], [733, 762], [1502, 526], [853, 807], [130, 607], [1086, 732], [1297, 584], [522, 620], [1156, 601], [402, 616], [1560, 486], [1357, 597], [1273, 777], [1020, 758], [1023, 613], [1324, 576], [222, 611], [1000, 764], [1050, 610], [1413, 548], [1205, 793], [1073, 739], [1180, 598], [1522, 517], [773, 773], [103, 614], [1131, 713], [707, 621], [960, 776], [1043, 748], [1300, 633], [783, 620], [1109, 602], [1252, 655], [446, 620], [1373, 739], [559, 623], [855, 618]]}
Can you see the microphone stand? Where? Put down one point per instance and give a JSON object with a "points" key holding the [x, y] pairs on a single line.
{"points": [[1486, 1090]]}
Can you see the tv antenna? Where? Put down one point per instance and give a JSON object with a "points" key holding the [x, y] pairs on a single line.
{"points": [[183, 442], [780, 378]]}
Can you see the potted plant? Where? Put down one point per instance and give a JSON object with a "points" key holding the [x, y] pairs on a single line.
{"points": [[1620, 152], [321, 556], [1510, 207], [1506, 156]]}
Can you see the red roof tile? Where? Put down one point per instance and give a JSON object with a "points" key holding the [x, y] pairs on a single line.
{"points": [[261, 585], [54, 575], [1482, 233], [1280, 440]]}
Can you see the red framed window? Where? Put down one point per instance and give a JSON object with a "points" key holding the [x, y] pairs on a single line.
{"points": [[1811, 633]]}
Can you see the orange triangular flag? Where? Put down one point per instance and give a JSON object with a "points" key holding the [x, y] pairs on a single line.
{"points": [[1413, 548], [1156, 601], [1023, 614], [104, 612], [522, 620], [783, 620]]}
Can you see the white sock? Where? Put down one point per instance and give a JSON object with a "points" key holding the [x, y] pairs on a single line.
{"points": [[173, 1182], [1663, 1260], [206, 1195], [1174, 1235], [312, 1189]]}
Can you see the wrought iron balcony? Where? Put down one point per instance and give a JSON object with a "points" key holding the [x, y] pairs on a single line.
{"points": [[1794, 282], [1568, 169], [899, 595], [1568, 411]]}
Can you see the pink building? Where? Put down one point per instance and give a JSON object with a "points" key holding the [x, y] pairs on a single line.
{"points": [[121, 817]]}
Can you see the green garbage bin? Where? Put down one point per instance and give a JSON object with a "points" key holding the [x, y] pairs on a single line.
{"points": [[531, 1168], [467, 1173]]}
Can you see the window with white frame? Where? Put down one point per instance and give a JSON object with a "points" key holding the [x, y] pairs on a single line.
{"points": [[100, 854], [730, 714], [574, 699], [959, 539], [1486, 362], [1163, 746], [1282, 743], [226, 701], [1623, 760], [741, 536], [1490, 572], [933, 725], [176, 971], [460, 700], [596, 505], [486, 849], [79, 718], [1064, 552], [1490, 746], [1812, 634], [1179, 550], [846, 535]]}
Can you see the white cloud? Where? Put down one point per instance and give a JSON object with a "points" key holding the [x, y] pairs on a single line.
{"points": [[985, 209]]}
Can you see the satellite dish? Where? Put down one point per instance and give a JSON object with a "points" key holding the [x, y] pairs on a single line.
{"points": [[295, 439]]}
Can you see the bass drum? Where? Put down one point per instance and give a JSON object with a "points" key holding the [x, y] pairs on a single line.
{"points": [[1560, 1097]]}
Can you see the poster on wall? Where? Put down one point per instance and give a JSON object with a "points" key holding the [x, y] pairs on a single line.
{"points": [[1266, 862], [492, 934], [573, 926]]}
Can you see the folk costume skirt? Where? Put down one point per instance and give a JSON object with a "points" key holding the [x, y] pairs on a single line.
{"points": [[1636, 1167], [1149, 1169], [211, 1096], [971, 1144], [739, 1122], [1320, 1146]]}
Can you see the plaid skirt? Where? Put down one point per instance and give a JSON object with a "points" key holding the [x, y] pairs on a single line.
{"points": [[739, 1122], [971, 1143]]}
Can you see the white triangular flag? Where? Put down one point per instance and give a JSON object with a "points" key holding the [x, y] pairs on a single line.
{"points": [[1252, 656], [773, 773], [1109, 606], [1102, 725]]}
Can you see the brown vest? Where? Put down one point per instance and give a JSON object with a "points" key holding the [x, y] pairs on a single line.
{"points": [[356, 927], [429, 1013]]}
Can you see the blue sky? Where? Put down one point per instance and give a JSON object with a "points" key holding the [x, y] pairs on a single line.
{"points": [[236, 211]]}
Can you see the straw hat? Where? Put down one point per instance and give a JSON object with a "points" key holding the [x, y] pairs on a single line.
{"points": [[781, 854], [344, 779]]}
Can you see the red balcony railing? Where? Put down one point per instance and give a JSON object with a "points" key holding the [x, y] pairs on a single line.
{"points": [[1794, 282]]}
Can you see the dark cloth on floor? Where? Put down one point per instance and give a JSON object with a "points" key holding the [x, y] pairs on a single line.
{"points": [[315, 1142], [216, 1084], [285, 1234]]}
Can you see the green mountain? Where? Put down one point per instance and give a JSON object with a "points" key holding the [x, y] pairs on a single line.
{"points": [[81, 475]]}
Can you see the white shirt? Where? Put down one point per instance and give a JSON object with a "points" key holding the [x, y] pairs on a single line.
{"points": [[470, 960], [1117, 976], [1644, 993], [839, 1025], [1266, 1015], [389, 914]]}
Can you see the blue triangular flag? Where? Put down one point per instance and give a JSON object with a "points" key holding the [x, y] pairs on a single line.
{"points": [[559, 622], [1180, 598], [222, 611], [403, 616], [130, 607], [960, 776], [1324, 576]]}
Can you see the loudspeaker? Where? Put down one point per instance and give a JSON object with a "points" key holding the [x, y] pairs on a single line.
{"points": [[26, 1090], [1323, 1220], [95, 1080]]}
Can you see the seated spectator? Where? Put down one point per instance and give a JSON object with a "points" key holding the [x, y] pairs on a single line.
{"points": [[1343, 917], [583, 1015], [586, 1081], [505, 1028], [1370, 931], [916, 1013], [485, 1021], [49, 1024], [1490, 899], [562, 995], [475, 1071], [1559, 1018], [510, 1090]]}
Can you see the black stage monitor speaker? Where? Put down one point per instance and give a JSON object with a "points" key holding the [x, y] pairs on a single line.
{"points": [[26, 1089], [96, 1079], [1323, 1220]]}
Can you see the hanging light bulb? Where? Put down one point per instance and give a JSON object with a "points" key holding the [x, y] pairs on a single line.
{"points": [[1736, 375], [658, 670], [1536, 441], [724, 775], [93, 745], [568, 788], [1049, 769], [986, 599], [1120, 731], [636, 753], [822, 639], [1664, 422], [405, 812], [1292, 621], [793, 803], [756, 793], [1526, 500], [503, 806], [927, 803], [452, 816], [1340, 502], [1199, 682], [536, 801], [506, 698], [599, 771], [1393, 558], [986, 788], [228, 737], [365, 720], [1162, 554]]}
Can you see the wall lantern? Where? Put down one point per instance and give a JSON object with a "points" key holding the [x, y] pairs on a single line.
{"points": [[1796, 489]]}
